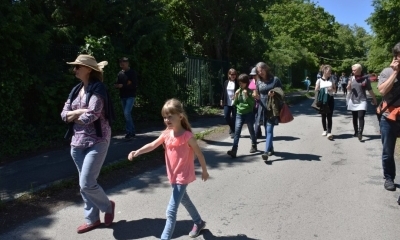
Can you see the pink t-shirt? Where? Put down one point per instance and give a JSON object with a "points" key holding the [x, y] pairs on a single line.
{"points": [[252, 85], [179, 157]]}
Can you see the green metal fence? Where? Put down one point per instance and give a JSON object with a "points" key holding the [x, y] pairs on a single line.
{"points": [[199, 80]]}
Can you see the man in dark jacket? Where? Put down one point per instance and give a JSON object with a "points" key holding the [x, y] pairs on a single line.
{"points": [[127, 84]]}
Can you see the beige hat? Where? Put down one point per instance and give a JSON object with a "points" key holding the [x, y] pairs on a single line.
{"points": [[89, 61]]}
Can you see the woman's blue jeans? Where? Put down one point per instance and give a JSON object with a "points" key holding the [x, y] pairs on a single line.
{"points": [[179, 195], [389, 130], [127, 105], [269, 136], [241, 119], [89, 162]]}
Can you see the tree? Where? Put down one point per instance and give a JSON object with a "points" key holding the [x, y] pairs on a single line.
{"points": [[385, 22], [208, 27], [353, 43], [301, 33]]}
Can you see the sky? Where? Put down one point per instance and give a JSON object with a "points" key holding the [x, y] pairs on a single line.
{"points": [[349, 11]]}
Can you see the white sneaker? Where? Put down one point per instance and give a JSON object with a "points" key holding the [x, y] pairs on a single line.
{"points": [[324, 133], [330, 136]]}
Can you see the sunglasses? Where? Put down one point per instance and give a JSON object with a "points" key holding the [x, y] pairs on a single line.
{"points": [[77, 67]]}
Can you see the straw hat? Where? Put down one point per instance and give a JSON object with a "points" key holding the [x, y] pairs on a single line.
{"points": [[89, 61]]}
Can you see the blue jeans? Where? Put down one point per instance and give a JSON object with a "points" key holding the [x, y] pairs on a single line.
{"points": [[389, 130], [179, 195], [269, 136], [230, 120], [247, 118], [89, 162], [127, 105]]}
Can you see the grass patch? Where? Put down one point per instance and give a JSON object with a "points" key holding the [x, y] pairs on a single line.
{"points": [[203, 111], [310, 94], [374, 86], [295, 99], [201, 135]]}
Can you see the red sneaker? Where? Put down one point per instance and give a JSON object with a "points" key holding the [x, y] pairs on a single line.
{"points": [[109, 217], [87, 227]]}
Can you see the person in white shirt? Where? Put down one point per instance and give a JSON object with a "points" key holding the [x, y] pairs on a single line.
{"points": [[330, 88], [228, 93]]}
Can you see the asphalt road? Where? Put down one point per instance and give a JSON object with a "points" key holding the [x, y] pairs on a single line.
{"points": [[313, 188]]}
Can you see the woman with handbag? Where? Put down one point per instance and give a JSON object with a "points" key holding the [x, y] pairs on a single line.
{"points": [[327, 88], [266, 83], [357, 103]]}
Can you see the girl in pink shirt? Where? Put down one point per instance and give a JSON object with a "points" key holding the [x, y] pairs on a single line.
{"points": [[180, 147]]}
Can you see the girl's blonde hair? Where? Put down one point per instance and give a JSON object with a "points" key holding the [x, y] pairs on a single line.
{"points": [[357, 66], [174, 106]]}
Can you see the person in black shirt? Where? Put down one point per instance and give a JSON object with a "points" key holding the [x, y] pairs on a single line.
{"points": [[127, 84]]}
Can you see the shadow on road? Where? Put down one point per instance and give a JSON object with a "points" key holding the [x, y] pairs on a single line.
{"points": [[285, 138], [343, 136], [153, 227], [207, 235], [370, 137], [284, 156]]}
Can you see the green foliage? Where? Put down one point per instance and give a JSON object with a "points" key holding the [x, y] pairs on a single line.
{"points": [[303, 25], [102, 49], [378, 57], [20, 57], [385, 22], [211, 27]]}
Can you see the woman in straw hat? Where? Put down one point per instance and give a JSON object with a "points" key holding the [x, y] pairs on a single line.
{"points": [[87, 111]]}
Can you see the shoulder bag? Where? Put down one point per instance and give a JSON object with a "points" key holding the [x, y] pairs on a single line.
{"points": [[380, 111]]}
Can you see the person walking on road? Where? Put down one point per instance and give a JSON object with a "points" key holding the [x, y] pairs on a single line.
{"points": [[244, 102], [335, 80], [87, 111], [253, 88], [389, 88], [267, 82], [325, 88], [127, 85], [307, 83], [344, 81], [228, 92], [180, 147], [357, 104]]}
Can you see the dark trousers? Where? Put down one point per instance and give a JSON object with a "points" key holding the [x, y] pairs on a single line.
{"points": [[230, 116], [358, 120], [328, 117], [389, 130]]}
